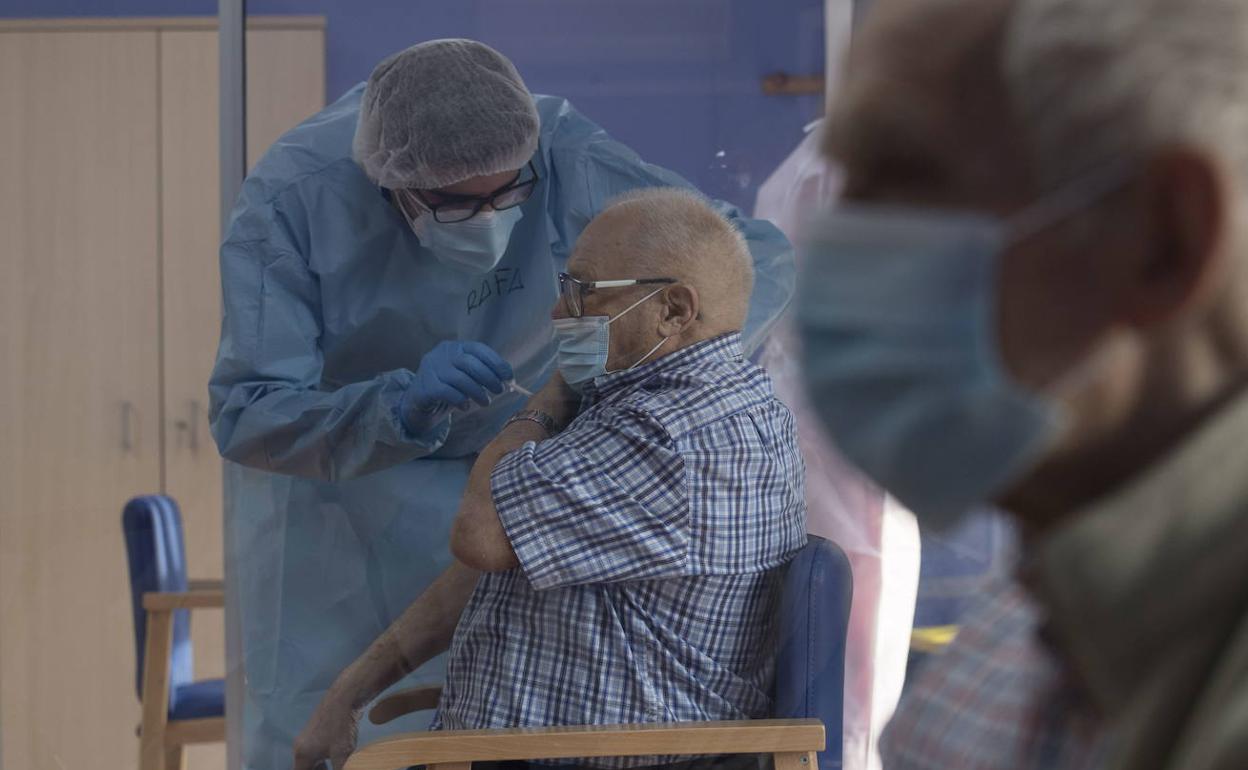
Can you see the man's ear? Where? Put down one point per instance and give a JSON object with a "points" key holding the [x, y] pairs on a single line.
{"points": [[1184, 221], [680, 308]]}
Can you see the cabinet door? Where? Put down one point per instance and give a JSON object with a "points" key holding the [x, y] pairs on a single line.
{"points": [[79, 385], [285, 85]]}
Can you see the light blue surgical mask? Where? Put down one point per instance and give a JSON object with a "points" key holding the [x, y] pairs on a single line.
{"points": [[585, 345], [475, 245], [897, 312]]}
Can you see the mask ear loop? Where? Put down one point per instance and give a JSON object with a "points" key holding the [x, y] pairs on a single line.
{"points": [[403, 201], [630, 307], [1067, 201], [653, 349]]}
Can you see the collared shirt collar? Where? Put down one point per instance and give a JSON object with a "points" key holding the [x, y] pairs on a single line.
{"points": [[1134, 583], [726, 347]]}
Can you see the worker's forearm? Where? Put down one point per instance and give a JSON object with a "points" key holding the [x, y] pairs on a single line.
{"points": [[421, 632], [343, 434]]}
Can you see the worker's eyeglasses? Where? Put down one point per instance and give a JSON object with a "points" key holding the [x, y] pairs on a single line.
{"points": [[573, 291], [449, 208]]}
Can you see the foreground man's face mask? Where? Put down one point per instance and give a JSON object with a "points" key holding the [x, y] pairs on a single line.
{"points": [[897, 312]]}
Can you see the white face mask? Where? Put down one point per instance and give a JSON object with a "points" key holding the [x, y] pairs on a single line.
{"points": [[897, 311], [475, 245], [585, 345]]}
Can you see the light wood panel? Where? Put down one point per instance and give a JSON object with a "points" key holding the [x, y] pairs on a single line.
{"points": [[108, 235], [286, 83], [79, 412]]}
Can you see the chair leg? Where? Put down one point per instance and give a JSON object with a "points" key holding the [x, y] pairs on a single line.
{"points": [[175, 758], [152, 755], [807, 760], [155, 690]]}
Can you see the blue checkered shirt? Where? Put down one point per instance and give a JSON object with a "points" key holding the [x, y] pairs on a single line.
{"points": [[652, 536], [996, 699]]}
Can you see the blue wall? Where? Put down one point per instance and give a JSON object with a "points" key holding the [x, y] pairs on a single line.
{"points": [[678, 80]]}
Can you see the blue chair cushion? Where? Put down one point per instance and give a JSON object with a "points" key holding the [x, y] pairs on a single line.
{"points": [[810, 661], [199, 700]]}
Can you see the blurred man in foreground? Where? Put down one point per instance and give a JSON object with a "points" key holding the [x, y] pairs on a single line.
{"points": [[1037, 295]]}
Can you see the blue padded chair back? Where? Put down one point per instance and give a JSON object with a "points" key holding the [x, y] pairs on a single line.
{"points": [[810, 661], [157, 557], [957, 564]]}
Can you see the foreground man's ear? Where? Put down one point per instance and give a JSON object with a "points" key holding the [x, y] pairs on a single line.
{"points": [[1184, 220]]}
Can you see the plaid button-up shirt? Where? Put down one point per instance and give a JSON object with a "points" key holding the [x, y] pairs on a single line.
{"points": [[997, 699], [652, 535]]}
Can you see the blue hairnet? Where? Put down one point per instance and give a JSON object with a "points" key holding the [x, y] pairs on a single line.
{"points": [[441, 112]]}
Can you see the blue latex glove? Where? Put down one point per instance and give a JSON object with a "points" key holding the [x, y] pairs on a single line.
{"points": [[452, 374]]}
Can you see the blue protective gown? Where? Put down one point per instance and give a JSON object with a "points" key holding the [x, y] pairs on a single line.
{"points": [[339, 517]]}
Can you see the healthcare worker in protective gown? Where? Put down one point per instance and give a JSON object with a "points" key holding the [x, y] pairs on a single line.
{"points": [[388, 274]]}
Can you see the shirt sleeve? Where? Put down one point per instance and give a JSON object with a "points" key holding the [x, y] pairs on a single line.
{"points": [[603, 502], [268, 409]]}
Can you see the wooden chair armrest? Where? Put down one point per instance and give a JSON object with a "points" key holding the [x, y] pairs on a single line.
{"points": [[183, 600], [405, 702], [456, 747], [208, 584]]}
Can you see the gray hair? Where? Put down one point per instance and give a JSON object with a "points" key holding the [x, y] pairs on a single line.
{"points": [[679, 233], [1095, 81], [679, 226]]}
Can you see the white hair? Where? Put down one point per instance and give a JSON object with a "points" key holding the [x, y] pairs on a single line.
{"points": [[680, 223], [681, 231], [1096, 81]]}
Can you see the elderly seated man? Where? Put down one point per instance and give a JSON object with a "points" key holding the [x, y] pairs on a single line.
{"points": [[621, 543]]}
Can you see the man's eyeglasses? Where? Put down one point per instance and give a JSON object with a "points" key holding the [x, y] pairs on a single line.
{"points": [[573, 291], [449, 208]]}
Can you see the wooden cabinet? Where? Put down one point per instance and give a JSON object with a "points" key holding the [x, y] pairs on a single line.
{"points": [[285, 84], [79, 414], [109, 317]]}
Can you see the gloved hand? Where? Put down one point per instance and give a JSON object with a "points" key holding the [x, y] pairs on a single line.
{"points": [[452, 374]]}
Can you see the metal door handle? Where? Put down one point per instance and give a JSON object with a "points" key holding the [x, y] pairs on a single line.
{"points": [[190, 426]]}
